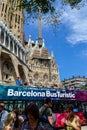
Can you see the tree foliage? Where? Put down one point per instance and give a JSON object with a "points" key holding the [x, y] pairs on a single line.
{"points": [[32, 6], [47, 7], [72, 3], [84, 87]]}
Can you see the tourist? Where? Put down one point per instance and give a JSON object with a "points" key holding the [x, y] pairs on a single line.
{"points": [[18, 81], [72, 121], [3, 115], [19, 119], [33, 121], [46, 111], [9, 122]]}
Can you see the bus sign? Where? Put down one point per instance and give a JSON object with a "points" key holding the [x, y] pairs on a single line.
{"points": [[37, 93]]}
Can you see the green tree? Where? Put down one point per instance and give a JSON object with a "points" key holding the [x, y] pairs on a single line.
{"points": [[73, 3], [84, 87], [47, 7]]}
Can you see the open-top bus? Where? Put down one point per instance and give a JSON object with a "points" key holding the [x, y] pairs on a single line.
{"points": [[20, 96]]}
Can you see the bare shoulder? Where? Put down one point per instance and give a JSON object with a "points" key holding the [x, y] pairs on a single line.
{"points": [[77, 117], [8, 128]]}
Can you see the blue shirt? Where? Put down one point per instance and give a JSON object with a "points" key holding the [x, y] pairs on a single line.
{"points": [[3, 116], [41, 126], [18, 82]]}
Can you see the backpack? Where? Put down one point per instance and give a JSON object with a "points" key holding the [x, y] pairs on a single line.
{"points": [[43, 116]]}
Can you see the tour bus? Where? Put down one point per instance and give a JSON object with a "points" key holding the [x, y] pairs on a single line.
{"points": [[20, 96]]}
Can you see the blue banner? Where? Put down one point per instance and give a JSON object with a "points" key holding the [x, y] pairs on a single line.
{"points": [[38, 93], [34, 93]]}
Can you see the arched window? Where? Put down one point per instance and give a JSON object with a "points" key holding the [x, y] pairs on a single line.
{"points": [[45, 77], [53, 78]]}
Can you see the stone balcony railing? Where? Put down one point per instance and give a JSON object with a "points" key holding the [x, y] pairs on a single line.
{"points": [[9, 42]]}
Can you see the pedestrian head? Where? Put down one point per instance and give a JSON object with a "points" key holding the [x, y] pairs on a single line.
{"points": [[1, 105], [25, 83], [32, 111], [48, 101], [70, 108]]}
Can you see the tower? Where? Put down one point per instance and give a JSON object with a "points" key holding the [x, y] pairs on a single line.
{"points": [[13, 17], [40, 40]]}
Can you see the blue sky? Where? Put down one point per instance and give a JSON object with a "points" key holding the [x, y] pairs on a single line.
{"points": [[69, 43]]}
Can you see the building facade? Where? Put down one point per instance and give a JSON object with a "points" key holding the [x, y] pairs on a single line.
{"points": [[44, 70], [32, 62], [75, 82], [13, 17]]}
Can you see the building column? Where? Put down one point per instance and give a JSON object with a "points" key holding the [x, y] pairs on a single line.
{"points": [[0, 66], [15, 64], [13, 46], [0, 34], [17, 50], [20, 54], [24, 57], [9, 43], [4, 38]]}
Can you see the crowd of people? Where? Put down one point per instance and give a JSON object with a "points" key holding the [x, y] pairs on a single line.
{"points": [[36, 118]]}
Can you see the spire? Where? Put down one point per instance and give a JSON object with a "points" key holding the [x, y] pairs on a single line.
{"points": [[40, 26], [29, 41], [43, 45], [52, 54], [36, 43]]}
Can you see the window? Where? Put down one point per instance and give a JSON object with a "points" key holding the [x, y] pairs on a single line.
{"points": [[53, 78], [36, 77]]}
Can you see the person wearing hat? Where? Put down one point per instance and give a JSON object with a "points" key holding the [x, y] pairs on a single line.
{"points": [[3, 115]]}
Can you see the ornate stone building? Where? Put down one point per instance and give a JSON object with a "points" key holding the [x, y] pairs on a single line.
{"points": [[13, 17], [31, 62], [12, 57], [44, 70]]}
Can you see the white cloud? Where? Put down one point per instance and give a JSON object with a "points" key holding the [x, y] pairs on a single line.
{"points": [[76, 21]]}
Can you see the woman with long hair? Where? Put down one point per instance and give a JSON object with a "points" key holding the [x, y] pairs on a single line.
{"points": [[19, 119], [72, 122], [9, 122]]}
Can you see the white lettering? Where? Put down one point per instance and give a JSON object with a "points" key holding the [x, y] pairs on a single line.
{"points": [[65, 95], [11, 92], [34, 93]]}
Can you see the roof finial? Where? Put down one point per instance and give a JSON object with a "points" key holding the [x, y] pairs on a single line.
{"points": [[29, 41], [43, 44], [36, 43], [52, 54]]}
